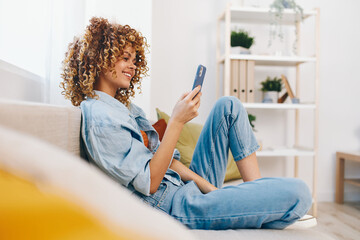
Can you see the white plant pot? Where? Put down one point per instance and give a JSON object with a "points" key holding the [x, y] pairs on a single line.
{"points": [[270, 97], [239, 50]]}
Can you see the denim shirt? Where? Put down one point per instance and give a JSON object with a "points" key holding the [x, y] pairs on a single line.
{"points": [[111, 133]]}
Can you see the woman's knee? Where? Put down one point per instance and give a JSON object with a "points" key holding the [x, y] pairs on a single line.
{"points": [[230, 105], [298, 192]]}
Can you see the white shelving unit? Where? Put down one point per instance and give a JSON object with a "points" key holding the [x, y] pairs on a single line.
{"points": [[288, 152], [263, 16], [271, 60], [278, 106]]}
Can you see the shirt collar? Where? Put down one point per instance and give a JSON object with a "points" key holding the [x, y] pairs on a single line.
{"points": [[106, 98]]}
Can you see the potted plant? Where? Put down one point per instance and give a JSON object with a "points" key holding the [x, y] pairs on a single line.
{"points": [[252, 119], [241, 41], [276, 10], [271, 88]]}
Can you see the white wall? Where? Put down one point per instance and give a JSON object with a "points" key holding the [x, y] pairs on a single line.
{"points": [[339, 113], [184, 35]]}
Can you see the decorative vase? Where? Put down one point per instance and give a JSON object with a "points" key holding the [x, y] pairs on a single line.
{"points": [[270, 97], [239, 50]]}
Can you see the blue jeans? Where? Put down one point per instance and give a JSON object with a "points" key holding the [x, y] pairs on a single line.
{"points": [[263, 203]]}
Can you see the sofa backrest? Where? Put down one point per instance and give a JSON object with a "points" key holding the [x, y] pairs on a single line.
{"points": [[59, 125]]}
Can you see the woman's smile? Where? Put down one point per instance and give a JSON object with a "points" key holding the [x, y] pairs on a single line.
{"points": [[128, 75]]}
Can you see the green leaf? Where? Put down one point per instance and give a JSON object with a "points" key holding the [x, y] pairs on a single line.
{"points": [[241, 38]]}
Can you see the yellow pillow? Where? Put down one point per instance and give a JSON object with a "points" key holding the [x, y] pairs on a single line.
{"points": [[28, 213], [187, 142]]}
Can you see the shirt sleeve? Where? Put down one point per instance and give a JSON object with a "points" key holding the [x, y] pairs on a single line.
{"points": [[176, 154], [122, 155]]}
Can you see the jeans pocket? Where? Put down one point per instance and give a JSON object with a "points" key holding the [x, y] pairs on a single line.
{"points": [[157, 198]]}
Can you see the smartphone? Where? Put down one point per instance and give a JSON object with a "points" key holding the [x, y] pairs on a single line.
{"points": [[199, 77]]}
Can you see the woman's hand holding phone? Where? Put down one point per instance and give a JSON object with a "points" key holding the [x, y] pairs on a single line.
{"points": [[187, 106]]}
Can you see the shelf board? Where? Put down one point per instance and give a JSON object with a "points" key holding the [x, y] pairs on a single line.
{"points": [[355, 182], [285, 152], [278, 106], [269, 60], [263, 15]]}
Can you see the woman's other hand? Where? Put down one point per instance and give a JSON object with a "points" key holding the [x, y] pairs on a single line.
{"points": [[187, 106]]}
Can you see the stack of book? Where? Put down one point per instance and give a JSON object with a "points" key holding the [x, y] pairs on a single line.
{"points": [[242, 80]]}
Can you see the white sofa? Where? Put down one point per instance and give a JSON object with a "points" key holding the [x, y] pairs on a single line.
{"points": [[41, 142]]}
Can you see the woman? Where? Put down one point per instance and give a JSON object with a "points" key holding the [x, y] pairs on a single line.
{"points": [[100, 71]]}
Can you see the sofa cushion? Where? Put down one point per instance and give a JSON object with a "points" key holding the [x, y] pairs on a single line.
{"points": [[160, 127], [27, 212], [59, 125], [55, 170]]}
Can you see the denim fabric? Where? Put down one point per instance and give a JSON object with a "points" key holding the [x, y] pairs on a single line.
{"points": [[263, 203], [111, 133]]}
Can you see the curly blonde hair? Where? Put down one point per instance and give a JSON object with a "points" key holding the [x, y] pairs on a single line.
{"points": [[96, 52]]}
